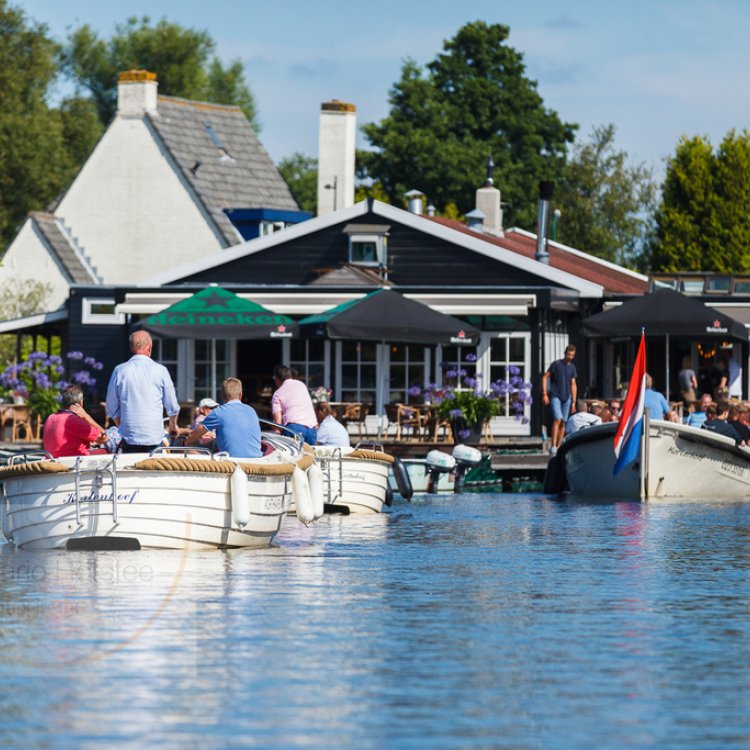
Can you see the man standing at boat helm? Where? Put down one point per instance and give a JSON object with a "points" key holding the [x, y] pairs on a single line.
{"points": [[559, 390], [292, 406], [138, 392]]}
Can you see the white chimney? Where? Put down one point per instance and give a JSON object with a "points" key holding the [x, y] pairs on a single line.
{"points": [[336, 142], [136, 92], [488, 202]]}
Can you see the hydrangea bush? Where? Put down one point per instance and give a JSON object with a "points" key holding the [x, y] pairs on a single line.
{"points": [[39, 379]]}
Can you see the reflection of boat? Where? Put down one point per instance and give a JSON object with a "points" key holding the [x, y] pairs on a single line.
{"points": [[676, 461], [165, 499], [355, 480], [419, 475]]}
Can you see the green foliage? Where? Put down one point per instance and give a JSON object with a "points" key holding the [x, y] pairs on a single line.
{"points": [[605, 203], [35, 162], [473, 100], [702, 222], [24, 298], [301, 174], [183, 60]]}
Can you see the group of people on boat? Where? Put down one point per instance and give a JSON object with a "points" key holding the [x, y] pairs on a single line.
{"points": [[141, 391]]}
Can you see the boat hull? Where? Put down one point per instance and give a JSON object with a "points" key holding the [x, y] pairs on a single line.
{"points": [[358, 484], [679, 462], [158, 509]]}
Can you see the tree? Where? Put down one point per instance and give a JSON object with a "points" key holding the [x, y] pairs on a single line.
{"points": [[27, 297], [301, 174], [474, 100], [605, 203], [702, 222], [36, 160], [183, 60]]}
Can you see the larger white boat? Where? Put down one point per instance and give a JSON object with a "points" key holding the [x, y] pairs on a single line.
{"points": [[161, 500], [675, 461]]}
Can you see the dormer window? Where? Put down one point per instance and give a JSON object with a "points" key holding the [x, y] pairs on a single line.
{"points": [[368, 244]]}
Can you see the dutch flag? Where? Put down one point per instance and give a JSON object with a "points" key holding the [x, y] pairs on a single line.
{"points": [[630, 429]]}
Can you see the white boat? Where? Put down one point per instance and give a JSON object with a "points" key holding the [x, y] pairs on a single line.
{"points": [[165, 499], [355, 480], [676, 461]]}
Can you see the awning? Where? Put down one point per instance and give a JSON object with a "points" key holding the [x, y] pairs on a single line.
{"points": [[32, 321]]}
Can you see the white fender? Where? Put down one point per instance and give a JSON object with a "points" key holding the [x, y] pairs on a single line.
{"points": [[301, 494], [239, 495], [7, 530], [315, 481]]}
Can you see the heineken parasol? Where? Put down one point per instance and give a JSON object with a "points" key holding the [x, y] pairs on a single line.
{"points": [[217, 313]]}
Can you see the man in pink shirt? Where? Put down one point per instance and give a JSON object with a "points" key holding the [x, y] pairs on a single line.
{"points": [[70, 431], [292, 406]]}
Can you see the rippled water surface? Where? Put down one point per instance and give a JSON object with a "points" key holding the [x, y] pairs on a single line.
{"points": [[480, 621]]}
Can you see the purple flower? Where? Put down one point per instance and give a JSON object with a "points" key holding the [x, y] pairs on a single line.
{"points": [[414, 390], [463, 434], [451, 373], [470, 382], [455, 413], [75, 355], [513, 370], [471, 357]]}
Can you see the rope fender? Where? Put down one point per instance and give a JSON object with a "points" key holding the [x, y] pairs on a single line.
{"points": [[31, 468], [213, 467], [370, 455]]}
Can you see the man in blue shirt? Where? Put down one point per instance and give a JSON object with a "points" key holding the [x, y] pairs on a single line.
{"points": [[330, 430], [654, 401], [138, 393], [559, 390], [236, 424]]}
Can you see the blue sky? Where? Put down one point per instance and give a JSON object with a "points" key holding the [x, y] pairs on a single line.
{"points": [[657, 69]]}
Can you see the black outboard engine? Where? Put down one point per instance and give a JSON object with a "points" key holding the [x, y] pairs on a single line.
{"points": [[438, 463], [466, 458]]}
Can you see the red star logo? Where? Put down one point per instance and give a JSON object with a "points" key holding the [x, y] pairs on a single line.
{"points": [[717, 324], [461, 335], [281, 328]]}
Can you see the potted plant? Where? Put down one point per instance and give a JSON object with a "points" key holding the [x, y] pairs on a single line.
{"points": [[469, 407]]}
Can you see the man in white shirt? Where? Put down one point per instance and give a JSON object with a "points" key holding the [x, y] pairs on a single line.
{"points": [[581, 418]]}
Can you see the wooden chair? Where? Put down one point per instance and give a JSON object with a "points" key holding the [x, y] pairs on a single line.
{"points": [[435, 425], [406, 417], [23, 423], [356, 414]]}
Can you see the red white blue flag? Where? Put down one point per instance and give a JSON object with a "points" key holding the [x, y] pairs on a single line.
{"points": [[630, 429]]}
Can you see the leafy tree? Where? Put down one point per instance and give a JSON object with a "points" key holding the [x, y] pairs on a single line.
{"points": [[36, 159], [24, 298], [301, 174], [605, 203], [702, 222], [473, 100], [183, 60]]}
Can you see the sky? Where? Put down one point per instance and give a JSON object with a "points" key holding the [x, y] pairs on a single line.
{"points": [[656, 69]]}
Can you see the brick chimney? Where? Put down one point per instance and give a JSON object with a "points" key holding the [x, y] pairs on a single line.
{"points": [[136, 92], [336, 141]]}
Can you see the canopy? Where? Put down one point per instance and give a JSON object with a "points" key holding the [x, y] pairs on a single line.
{"points": [[385, 315], [218, 313], [665, 312]]}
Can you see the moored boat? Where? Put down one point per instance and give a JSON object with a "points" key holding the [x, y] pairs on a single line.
{"points": [[676, 461], [165, 499]]}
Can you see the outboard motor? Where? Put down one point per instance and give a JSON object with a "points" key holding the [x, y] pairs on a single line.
{"points": [[438, 463], [466, 458]]}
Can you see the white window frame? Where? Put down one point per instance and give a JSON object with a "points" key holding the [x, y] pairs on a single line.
{"points": [[88, 317], [380, 249], [190, 377]]}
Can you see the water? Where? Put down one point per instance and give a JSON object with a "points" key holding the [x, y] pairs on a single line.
{"points": [[480, 621]]}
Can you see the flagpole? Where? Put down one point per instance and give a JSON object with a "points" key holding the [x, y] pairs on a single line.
{"points": [[645, 440]]}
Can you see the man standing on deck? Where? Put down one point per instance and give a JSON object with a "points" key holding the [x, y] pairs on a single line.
{"points": [[559, 390], [138, 393]]}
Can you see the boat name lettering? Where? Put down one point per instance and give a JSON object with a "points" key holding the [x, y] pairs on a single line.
{"points": [[354, 475], [688, 454], [733, 468], [94, 497]]}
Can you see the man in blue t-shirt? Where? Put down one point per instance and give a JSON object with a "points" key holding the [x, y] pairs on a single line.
{"points": [[236, 424], [559, 390], [654, 401]]}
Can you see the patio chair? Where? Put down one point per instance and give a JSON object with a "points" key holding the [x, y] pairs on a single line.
{"points": [[406, 418], [356, 414], [23, 423]]}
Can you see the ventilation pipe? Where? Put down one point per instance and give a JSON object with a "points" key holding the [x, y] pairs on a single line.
{"points": [[415, 201], [546, 190]]}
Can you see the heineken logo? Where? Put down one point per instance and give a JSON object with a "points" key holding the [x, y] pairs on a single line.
{"points": [[460, 338], [227, 318], [281, 332]]}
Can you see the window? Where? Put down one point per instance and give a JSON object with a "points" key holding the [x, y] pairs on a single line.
{"points": [[100, 311], [458, 363], [368, 244], [165, 352], [212, 367], [308, 358], [359, 371], [407, 370], [508, 361], [269, 227]]}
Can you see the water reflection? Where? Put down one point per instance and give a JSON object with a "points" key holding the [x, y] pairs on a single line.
{"points": [[477, 620]]}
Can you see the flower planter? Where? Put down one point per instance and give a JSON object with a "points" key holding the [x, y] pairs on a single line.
{"points": [[467, 434]]}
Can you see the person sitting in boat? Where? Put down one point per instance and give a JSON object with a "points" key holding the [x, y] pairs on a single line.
{"points": [[205, 407], [698, 417], [581, 418], [717, 421], [292, 406], [71, 431], [740, 420], [330, 430], [654, 401], [236, 424]]}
